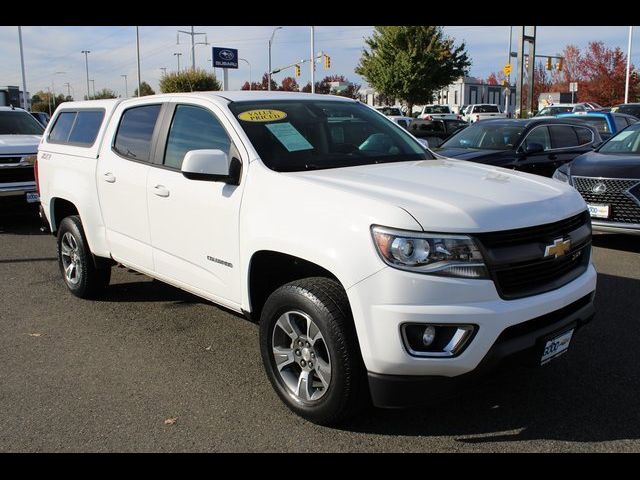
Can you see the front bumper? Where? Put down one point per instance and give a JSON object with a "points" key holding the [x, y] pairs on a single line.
{"points": [[522, 340], [615, 227], [384, 301]]}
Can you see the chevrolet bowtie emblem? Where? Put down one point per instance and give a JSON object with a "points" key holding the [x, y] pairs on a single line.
{"points": [[558, 248]]}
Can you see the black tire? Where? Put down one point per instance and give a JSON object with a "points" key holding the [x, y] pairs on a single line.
{"points": [[91, 280], [325, 301]]}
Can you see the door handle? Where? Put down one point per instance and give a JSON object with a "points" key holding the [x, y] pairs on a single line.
{"points": [[109, 177], [161, 191]]}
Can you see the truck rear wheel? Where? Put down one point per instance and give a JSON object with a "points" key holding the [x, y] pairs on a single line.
{"points": [[76, 262], [310, 351]]}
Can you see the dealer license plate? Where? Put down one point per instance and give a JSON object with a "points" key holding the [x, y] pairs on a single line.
{"points": [[599, 211], [32, 197], [556, 347]]}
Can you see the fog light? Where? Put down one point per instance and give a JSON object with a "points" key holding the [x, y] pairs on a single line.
{"points": [[428, 336]]}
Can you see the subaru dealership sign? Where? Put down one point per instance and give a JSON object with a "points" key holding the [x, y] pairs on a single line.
{"points": [[225, 57]]}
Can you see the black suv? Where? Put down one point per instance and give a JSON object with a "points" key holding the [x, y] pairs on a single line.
{"points": [[532, 145]]}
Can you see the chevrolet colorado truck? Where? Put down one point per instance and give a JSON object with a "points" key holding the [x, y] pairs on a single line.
{"points": [[377, 273], [475, 113], [20, 135]]}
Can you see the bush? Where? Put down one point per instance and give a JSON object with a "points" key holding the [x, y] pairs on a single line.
{"points": [[197, 80]]}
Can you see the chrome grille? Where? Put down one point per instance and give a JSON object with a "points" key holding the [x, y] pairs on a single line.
{"points": [[621, 194]]}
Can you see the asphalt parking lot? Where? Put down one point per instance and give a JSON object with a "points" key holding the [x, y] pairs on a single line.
{"points": [[151, 368]]}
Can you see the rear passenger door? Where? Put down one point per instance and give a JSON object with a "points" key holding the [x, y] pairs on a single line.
{"points": [[122, 183], [568, 142]]}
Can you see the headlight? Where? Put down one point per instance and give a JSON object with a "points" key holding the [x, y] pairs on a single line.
{"points": [[433, 253], [560, 176]]}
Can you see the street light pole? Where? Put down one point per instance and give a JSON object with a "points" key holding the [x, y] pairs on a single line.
{"points": [[508, 91], [164, 70], [247, 62], [86, 61], [177, 54], [313, 63], [126, 88], [25, 100], [626, 83], [270, 42], [193, 44], [93, 85], [53, 88], [68, 85]]}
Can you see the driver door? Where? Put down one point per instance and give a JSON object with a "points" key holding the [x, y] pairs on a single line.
{"points": [[539, 163]]}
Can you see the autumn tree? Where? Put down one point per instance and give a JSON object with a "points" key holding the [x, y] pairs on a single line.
{"points": [[411, 62], [496, 78], [289, 84], [571, 69]]}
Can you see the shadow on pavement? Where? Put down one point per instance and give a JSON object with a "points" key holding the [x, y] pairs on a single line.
{"points": [[23, 223], [617, 241], [590, 395]]}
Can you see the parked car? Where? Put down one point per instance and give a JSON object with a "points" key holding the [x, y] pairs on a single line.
{"points": [[475, 113], [555, 109], [628, 108], [609, 181], [436, 131], [607, 123], [42, 117], [395, 115], [20, 134], [314, 215], [535, 145], [432, 112]]}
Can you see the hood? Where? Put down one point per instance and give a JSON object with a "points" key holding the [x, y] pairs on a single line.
{"points": [[594, 164], [19, 144], [455, 196], [472, 154]]}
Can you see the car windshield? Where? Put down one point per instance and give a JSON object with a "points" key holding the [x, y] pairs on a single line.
{"points": [[554, 111], [390, 111], [627, 141], [486, 109], [437, 109], [19, 123], [296, 135], [486, 135]]}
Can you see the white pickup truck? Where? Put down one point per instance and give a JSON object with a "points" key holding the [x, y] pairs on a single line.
{"points": [[476, 112], [375, 270], [437, 112]]}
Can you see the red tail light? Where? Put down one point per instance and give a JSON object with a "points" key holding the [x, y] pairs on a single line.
{"points": [[428, 117], [35, 173]]}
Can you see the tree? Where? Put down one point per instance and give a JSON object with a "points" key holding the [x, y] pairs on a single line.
{"points": [[261, 85], [43, 101], [102, 94], [145, 88], [411, 62], [571, 69], [289, 84], [496, 78], [191, 80]]}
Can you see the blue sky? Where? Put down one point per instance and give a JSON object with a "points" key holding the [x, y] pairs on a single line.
{"points": [[113, 51]]}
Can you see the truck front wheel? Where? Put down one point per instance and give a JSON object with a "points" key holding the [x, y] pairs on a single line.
{"points": [[76, 263], [310, 351]]}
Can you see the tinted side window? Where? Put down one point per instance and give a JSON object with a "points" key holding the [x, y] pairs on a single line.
{"points": [[86, 127], [193, 128], [539, 135], [584, 135], [133, 139], [62, 128], [563, 136], [620, 122]]}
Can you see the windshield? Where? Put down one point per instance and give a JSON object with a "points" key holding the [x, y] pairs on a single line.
{"points": [[295, 135], [390, 111], [486, 109], [486, 136], [19, 123], [437, 109], [627, 141], [554, 111]]}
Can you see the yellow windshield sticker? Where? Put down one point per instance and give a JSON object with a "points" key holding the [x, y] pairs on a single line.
{"points": [[262, 115]]}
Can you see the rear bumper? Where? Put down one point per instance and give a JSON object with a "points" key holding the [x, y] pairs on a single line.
{"points": [[521, 341], [16, 188]]}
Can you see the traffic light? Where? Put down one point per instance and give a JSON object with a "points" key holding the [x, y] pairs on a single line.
{"points": [[327, 62], [526, 62], [297, 69], [559, 65], [548, 63]]}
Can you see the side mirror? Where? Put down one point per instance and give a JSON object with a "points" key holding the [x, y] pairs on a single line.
{"points": [[211, 165], [533, 147]]}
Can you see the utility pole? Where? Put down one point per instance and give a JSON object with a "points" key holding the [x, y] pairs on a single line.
{"points": [[508, 94], [164, 70], [177, 54], [93, 85], [86, 61], [520, 71], [126, 88], [313, 63], [247, 62], [68, 85], [25, 99], [270, 42], [626, 83], [138, 50], [193, 44]]}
